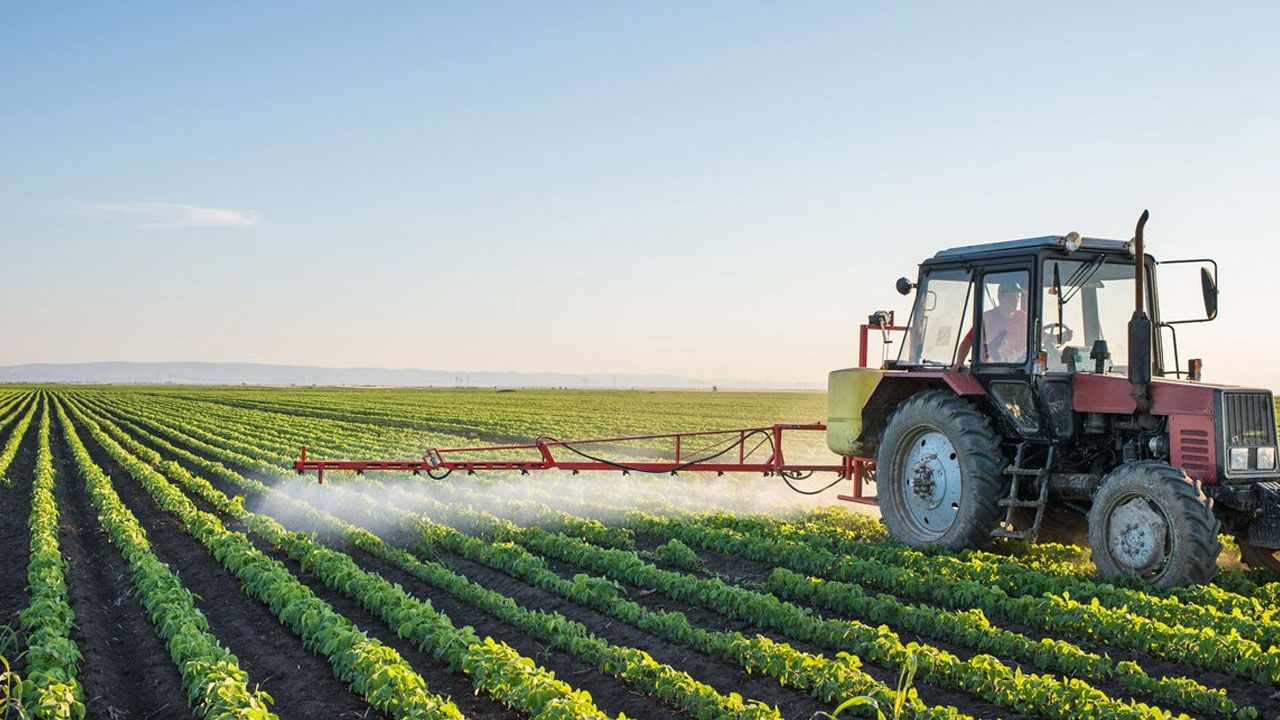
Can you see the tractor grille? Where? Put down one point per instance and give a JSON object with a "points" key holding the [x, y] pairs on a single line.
{"points": [[1249, 418], [1248, 424]]}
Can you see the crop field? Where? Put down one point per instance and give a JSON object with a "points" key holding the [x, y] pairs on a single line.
{"points": [[163, 560]]}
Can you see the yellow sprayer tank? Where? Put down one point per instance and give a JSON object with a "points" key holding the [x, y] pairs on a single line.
{"points": [[847, 392]]}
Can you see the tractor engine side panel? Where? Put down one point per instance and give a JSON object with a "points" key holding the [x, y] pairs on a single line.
{"points": [[1192, 446]]}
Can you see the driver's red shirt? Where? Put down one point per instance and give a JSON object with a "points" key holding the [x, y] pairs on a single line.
{"points": [[1004, 336]]}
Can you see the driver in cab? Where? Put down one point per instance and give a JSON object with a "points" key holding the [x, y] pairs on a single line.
{"points": [[1004, 328]]}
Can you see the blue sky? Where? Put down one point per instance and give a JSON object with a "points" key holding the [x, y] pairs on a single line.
{"points": [[711, 189]]}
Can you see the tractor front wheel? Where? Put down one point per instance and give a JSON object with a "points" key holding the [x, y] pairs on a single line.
{"points": [[939, 473], [1149, 520]]}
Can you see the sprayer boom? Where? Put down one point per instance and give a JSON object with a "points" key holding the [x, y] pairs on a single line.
{"points": [[718, 451]]}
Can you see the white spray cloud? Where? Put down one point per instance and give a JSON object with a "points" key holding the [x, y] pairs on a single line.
{"points": [[526, 499]]}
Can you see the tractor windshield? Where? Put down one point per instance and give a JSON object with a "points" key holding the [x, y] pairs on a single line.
{"points": [[1085, 301], [940, 316]]}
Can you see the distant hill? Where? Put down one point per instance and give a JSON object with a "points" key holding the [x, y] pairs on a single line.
{"points": [[207, 373]]}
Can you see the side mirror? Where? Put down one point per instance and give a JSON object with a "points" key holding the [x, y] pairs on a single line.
{"points": [[1178, 304], [904, 286], [1209, 288]]}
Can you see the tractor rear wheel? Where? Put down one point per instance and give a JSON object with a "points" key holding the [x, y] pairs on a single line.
{"points": [[939, 473], [1149, 520]]}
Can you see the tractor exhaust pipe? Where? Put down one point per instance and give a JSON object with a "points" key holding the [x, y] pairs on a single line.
{"points": [[1140, 325]]}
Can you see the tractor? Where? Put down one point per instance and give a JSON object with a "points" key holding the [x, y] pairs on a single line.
{"points": [[1032, 388], [1032, 377]]}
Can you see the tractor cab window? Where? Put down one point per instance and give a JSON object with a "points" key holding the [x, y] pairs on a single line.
{"points": [[939, 319], [1004, 317], [1087, 301]]}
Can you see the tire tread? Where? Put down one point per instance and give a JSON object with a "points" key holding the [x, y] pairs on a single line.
{"points": [[973, 438], [1203, 547]]}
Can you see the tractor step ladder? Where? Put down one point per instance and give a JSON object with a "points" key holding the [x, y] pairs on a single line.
{"points": [[1016, 472]]}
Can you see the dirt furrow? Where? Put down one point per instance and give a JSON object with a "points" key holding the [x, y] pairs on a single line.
{"points": [[126, 671], [15, 542]]}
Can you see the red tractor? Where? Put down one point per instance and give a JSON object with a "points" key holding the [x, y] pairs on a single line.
{"points": [[1061, 396], [1032, 380]]}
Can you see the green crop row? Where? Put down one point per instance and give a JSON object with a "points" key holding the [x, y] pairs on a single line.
{"points": [[972, 629], [11, 407], [1214, 604], [1226, 636], [968, 627], [982, 675], [1198, 606], [826, 679], [373, 670], [1234, 583], [495, 668], [215, 684], [1061, 657], [14, 440], [1057, 614], [541, 514], [525, 414], [51, 689], [829, 680], [630, 665], [273, 444]]}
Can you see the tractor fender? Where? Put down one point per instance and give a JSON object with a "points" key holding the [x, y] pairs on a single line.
{"points": [[896, 386]]}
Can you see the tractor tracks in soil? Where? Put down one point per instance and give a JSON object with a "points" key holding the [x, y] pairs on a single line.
{"points": [[301, 682]]}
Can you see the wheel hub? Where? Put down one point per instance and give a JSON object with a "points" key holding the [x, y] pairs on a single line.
{"points": [[931, 487], [1137, 535], [922, 482]]}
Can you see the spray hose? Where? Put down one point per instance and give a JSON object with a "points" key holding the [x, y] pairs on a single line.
{"points": [[729, 444]]}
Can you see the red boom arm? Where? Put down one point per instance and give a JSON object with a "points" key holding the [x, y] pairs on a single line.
{"points": [[730, 454], [734, 443]]}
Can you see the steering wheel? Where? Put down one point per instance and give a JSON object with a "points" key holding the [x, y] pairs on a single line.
{"points": [[1052, 330]]}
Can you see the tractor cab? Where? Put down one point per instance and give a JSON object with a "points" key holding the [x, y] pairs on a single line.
{"points": [[1034, 375], [1023, 317]]}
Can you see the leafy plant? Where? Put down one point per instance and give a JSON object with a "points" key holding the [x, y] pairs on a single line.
{"points": [[901, 693], [673, 552], [11, 707]]}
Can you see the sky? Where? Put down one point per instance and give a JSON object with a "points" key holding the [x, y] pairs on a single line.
{"points": [[713, 189]]}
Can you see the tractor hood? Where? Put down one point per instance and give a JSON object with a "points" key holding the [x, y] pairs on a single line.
{"points": [[1110, 394], [1216, 432]]}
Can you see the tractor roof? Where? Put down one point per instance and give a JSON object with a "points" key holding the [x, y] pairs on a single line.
{"points": [[1023, 247]]}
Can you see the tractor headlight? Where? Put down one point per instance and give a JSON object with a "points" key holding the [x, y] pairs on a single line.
{"points": [[1267, 458], [1072, 241], [1239, 458]]}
